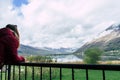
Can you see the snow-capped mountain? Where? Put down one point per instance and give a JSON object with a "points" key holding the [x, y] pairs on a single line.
{"points": [[114, 27], [108, 40], [109, 30]]}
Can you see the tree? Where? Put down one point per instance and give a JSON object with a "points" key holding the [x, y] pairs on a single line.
{"points": [[92, 55]]}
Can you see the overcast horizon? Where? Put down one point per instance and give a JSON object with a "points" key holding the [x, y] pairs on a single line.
{"points": [[59, 23]]}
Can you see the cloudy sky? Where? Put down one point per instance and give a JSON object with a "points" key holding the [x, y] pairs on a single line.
{"points": [[59, 23]]}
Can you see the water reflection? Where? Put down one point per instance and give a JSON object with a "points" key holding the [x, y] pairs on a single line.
{"points": [[66, 58]]}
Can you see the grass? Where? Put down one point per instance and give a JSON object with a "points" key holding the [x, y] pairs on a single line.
{"points": [[80, 74]]}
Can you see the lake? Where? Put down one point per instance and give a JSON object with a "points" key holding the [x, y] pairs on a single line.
{"points": [[66, 58]]}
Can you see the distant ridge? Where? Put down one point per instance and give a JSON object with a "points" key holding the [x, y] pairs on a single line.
{"points": [[29, 50]]}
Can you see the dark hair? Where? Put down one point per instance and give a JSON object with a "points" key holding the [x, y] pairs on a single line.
{"points": [[13, 27]]}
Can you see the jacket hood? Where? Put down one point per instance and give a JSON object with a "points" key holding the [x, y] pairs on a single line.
{"points": [[4, 31]]}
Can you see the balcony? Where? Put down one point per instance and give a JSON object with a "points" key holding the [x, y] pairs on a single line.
{"points": [[57, 71]]}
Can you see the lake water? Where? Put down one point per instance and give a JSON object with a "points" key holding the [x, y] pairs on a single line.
{"points": [[66, 58]]}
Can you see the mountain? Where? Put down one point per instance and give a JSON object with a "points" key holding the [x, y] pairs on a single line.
{"points": [[29, 50], [108, 40], [61, 50]]}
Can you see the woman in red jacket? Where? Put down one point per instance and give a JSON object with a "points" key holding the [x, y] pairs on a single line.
{"points": [[9, 43]]}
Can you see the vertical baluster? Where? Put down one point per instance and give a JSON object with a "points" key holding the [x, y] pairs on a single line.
{"points": [[60, 73], [6, 72], [50, 74], [32, 73], [72, 73], [25, 72], [9, 72], [103, 74], [13, 72], [40, 73], [1, 74], [86, 74], [19, 72]]}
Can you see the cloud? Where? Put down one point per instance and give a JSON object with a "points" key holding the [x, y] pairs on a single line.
{"points": [[5, 9], [60, 23], [8, 15]]}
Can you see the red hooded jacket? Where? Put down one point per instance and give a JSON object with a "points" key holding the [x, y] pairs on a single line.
{"points": [[8, 47]]}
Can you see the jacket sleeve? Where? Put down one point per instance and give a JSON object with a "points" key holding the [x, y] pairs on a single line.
{"points": [[11, 54], [1, 55]]}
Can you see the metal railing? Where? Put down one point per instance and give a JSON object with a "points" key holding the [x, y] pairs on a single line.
{"points": [[52, 71]]}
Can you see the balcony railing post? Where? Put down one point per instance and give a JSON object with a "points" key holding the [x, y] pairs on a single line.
{"points": [[86, 74], [103, 74], [9, 72], [72, 73], [41, 73], [50, 74], [60, 73], [33, 73], [1, 74]]}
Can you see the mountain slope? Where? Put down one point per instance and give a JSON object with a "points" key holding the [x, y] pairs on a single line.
{"points": [[28, 50], [61, 50], [107, 42]]}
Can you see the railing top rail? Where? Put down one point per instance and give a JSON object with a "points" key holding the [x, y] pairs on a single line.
{"points": [[75, 66]]}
